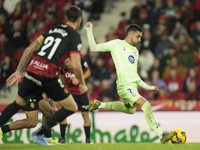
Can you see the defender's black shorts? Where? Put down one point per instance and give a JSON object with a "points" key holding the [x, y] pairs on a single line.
{"points": [[82, 101], [33, 101], [32, 84], [31, 105]]}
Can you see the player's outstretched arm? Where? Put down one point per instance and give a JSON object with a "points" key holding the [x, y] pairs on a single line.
{"points": [[92, 44], [16, 76]]}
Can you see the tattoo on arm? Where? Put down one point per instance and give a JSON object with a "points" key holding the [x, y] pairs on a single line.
{"points": [[27, 55]]}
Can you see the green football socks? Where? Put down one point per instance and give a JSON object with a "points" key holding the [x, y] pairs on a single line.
{"points": [[150, 118], [118, 106]]}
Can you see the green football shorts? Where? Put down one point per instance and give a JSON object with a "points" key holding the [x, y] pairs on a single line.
{"points": [[128, 93]]}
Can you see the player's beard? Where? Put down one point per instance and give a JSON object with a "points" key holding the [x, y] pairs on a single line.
{"points": [[133, 43]]}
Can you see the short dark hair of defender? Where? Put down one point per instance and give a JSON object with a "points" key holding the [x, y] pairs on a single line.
{"points": [[133, 27], [73, 13]]}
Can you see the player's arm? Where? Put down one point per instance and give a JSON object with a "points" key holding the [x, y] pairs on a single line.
{"points": [[92, 44], [34, 46], [87, 74], [77, 69], [146, 86], [16, 76], [76, 66]]}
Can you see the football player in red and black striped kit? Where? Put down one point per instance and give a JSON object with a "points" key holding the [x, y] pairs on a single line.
{"points": [[52, 48], [72, 83]]}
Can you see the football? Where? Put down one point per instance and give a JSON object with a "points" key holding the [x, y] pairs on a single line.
{"points": [[179, 137]]}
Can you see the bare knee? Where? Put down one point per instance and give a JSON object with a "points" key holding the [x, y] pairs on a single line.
{"points": [[68, 103], [85, 115], [31, 123], [45, 108], [86, 118], [74, 108], [48, 113], [146, 107]]}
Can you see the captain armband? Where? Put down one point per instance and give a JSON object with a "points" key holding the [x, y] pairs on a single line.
{"points": [[40, 39]]}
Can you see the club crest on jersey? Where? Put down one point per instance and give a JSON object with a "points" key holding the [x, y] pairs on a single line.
{"points": [[131, 59], [79, 47], [32, 105]]}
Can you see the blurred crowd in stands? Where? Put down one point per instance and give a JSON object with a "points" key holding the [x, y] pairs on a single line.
{"points": [[169, 50]]}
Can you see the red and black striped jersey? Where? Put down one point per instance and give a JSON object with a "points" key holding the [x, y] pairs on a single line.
{"points": [[58, 43], [69, 76]]}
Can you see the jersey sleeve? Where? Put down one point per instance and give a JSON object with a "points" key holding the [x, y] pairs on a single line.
{"points": [[75, 44], [84, 64], [108, 46]]}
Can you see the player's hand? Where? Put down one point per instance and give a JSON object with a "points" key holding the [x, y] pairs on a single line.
{"points": [[88, 25], [155, 89], [83, 88], [75, 81], [13, 79]]}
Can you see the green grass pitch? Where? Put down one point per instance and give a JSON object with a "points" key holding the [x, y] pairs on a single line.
{"points": [[109, 146]]}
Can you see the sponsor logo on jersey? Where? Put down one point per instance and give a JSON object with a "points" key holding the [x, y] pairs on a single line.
{"points": [[57, 30], [69, 75], [79, 47], [33, 79], [39, 65], [131, 59]]}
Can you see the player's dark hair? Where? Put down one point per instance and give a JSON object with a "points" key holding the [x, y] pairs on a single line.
{"points": [[73, 13], [133, 27]]}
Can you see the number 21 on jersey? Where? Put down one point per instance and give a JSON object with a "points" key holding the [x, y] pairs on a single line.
{"points": [[50, 42]]}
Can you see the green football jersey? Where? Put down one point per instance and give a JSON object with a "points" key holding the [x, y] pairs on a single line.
{"points": [[125, 58]]}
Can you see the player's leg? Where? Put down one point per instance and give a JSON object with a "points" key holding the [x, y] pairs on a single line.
{"points": [[86, 125], [12, 109], [68, 107], [55, 90], [25, 88], [117, 106], [83, 105], [146, 108], [47, 111], [63, 126], [30, 122]]}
